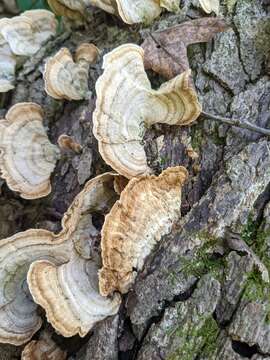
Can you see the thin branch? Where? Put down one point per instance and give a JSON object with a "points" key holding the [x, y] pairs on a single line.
{"points": [[244, 124]]}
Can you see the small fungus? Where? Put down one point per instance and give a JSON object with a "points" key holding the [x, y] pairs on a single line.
{"points": [[66, 142], [66, 79], [43, 349]]}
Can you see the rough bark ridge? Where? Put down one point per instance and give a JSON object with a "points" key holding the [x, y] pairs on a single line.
{"points": [[198, 296]]}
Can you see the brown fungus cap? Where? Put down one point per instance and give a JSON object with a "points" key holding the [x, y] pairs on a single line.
{"points": [[146, 211], [43, 349]]}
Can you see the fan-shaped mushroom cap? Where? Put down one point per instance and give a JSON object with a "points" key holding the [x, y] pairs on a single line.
{"points": [[18, 316], [60, 9], [146, 211], [131, 11], [65, 79], [7, 66], [170, 5], [43, 349], [87, 52], [45, 24], [109, 6], [138, 11], [26, 33], [126, 104], [69, 294], [27, 158], [210, 6]]}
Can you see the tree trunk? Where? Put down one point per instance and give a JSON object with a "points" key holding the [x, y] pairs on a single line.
{"points": [[202, 294]]}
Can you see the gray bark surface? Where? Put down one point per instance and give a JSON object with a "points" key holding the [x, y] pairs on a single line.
{"points": [[200, 296]]}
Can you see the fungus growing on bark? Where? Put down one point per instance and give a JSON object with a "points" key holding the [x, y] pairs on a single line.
{"points": [[126, 105], [70, 9], [27, 158], [26, 33], [22, 36], [66, 79], [66, 142], [210, 6], [43, 349], [19, 318], [146, 211], [18, 313], [130, 11], [70, 296], [7, 66]]}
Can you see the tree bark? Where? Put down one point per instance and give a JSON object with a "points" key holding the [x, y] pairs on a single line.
{"points": [[197, 297]]}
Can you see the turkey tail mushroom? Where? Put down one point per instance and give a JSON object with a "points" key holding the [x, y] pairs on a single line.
{"points": [[66, 79], [27, 158], [19, 318], [126, 105], [147, 209]]}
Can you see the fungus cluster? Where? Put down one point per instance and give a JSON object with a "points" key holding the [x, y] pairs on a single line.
{"points": [[20, 37], [66, 79], [63, 275], [130, 11], [77, 274]]}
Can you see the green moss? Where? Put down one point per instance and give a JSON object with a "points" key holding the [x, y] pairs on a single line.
{"points": [[249, 231], [196, 137], [256, 290], [204, 261], [163, 160], [195, 339], [230, 5]]}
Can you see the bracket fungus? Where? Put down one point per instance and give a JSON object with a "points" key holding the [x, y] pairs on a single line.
{"points": [[69, 294], [26, 33], [19, 318], [27, 158], [130, 11], [66, 79], [210, 6], [126, 105], [43, 349], [7, 66], [146, 210], [22, 36]]}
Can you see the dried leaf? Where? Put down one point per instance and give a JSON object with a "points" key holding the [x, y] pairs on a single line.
{"points": [[166, 51]]}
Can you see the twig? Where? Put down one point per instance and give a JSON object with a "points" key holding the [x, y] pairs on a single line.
{"points": [[244, 124]]}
